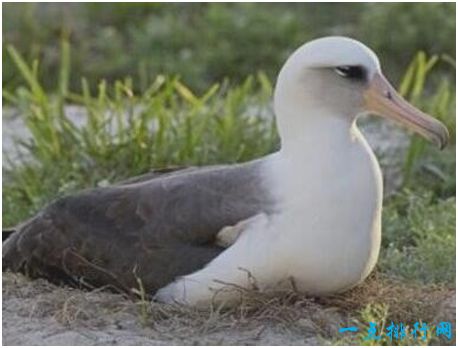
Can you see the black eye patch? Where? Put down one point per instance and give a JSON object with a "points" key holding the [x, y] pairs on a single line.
{"points": [[354, 72]]}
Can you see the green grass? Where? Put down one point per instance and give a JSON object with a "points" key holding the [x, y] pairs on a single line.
{"points": [[204, 43], [128, 133], [419, 238]]}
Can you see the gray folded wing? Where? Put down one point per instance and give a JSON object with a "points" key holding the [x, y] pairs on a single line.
{"points": [[148, 230]]}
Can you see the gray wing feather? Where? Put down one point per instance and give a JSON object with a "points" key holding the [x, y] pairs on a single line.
{"points": [[149, 229]]}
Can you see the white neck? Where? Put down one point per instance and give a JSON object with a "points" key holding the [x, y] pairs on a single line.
{"points": [[302, 134], [319, 148]]}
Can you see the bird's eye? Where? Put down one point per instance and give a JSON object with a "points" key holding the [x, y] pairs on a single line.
{"points": [[355, 72]]}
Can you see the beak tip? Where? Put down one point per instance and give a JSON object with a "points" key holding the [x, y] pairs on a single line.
{"points": [[443, 144], [443, 138]]}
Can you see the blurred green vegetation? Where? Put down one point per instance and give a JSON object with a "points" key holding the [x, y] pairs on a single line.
{"points": [[419, 237], [419, 167], [207, 42]]}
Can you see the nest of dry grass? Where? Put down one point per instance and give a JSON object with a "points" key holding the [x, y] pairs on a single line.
{"points": [[288, 311]]}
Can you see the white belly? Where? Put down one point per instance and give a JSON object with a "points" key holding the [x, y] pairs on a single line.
{"points": [[329, 254], [329, 222]]}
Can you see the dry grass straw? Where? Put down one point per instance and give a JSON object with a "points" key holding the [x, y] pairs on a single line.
{"points": [[406, 301], [287, 311]]}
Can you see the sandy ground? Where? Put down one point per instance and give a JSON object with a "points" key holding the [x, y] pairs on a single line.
{"points": [[36, 312]]}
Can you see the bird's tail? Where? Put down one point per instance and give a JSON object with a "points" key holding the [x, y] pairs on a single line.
{"points": [[23, 245], [38, 248], [10, 253]]}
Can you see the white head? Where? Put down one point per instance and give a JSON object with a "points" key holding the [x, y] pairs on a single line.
{"points": [[340, 78]]}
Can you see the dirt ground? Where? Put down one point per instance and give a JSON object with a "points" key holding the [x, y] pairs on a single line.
{"points": [[36, 312]]}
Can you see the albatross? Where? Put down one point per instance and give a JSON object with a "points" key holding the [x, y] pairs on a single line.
{"points": [[310, 212]]}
